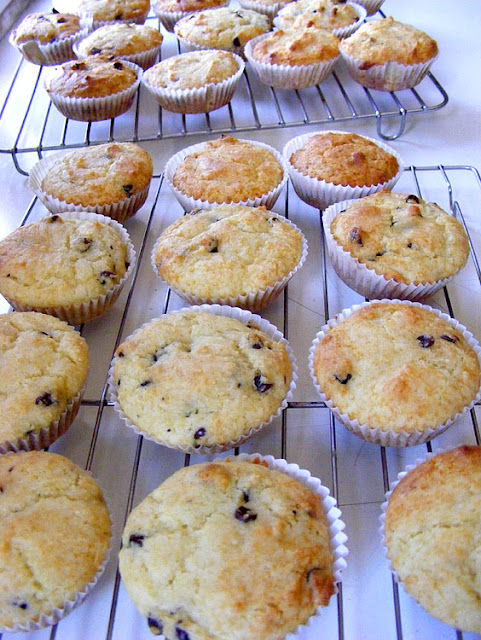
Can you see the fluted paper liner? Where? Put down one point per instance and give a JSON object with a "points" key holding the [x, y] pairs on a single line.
{"points": [[268, 9], [371, 6], [387, 437], [366, 281], [120, 211], [76, 314], [321, 194], [200, 99], [286, 76], [244, 317], [189, 203], [143, 59], [252, 301]]}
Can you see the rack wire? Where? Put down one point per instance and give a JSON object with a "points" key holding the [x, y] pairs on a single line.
{"points": [[457, 189], [28, 129]]}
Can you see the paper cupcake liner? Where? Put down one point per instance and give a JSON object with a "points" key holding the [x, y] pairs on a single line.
{"points": [[371, 6], [58, 613], [337, 537], [194, 46], [169, 18], [244, 317], [120, 211], [199, 100], [253, 301], [366, 281], [94, 109], [143, 59], [391, 76], [76, 314], [340, 32], [285, 76], [46, 436], [268, 9], [321, 194], [53, 53], [188, 203], [376, 435]]}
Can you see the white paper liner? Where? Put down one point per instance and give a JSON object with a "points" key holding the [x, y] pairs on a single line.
{"points": [[253, 301], [244, 317], [46, 436], [199, 100], [371, 6], [56, 52], [340, 32], [143, 59], [389, 438], [337, 537], [76, 314], [286, 76], [268, 9], [95, 109], [321, 194], [169, 18], [366, 281], [391, 76], [120, 211], [188, 203], [194, 46], [57, 614]]}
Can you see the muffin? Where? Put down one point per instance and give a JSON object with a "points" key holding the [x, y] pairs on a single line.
{"points": [[432, 532], [241, 256], [195, 82], [171, 11], [269, 8], [72, 266], [394, 245], [331, 166], [340, 17], [47, 38], [396, 373], [388, 55], [45, 571], [104, 11], [227, 171], [240, 372], [53, 359], [257, 541], [224, 28], [293, 59], [137, 43], [95, 88], [111, 179]]}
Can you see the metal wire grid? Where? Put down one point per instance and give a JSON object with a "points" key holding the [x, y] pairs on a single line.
{"points": [[448, 173], [39, 128]]}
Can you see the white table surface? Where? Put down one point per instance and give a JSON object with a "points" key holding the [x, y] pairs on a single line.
{"points": [[450, 136]]}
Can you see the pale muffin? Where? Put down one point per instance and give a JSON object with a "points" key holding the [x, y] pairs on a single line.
{"points": [[338, 17], [107, 10], [171, 11]]}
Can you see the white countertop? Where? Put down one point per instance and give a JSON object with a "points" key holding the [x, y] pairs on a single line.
{"points": [[449, 136]]}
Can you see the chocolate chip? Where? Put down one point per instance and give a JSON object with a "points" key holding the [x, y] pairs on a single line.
{"points": [[61, 21], [44, 333], [310, 572], [1, 489], [200, 433], [257, 345], [137, 538], [145, 383], [245, 496], [118, 65], [21, 605], [82, 244], [107, 274], [244, 514], [452, 339], [212, 247], [128, 188], [425, 341], [155, 626], [409, 245], [11, 469], [121, 354], [412, 199], [46, 400], [181, 634], [55, 11], [54, 218], [118, 382], [95, 51], [343, 380], [260, 385], [236, 42], [355, 235], [380, 253]]}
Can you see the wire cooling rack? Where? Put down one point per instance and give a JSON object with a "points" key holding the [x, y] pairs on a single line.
{"points": [[31, 126], [369, 603]]}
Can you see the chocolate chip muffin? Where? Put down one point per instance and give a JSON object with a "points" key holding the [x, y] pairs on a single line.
{"points": [[396, 373], [432, 533], [110, 179], [171, 11], [238, 375], [104, 11], [253, 538], [72, 266], [43, 366], [45, 572], [242, 256], [339, 17]]}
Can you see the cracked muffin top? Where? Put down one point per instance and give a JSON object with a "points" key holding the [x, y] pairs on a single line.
{"points": [[119, 39], [396, 367], [45, 28], [402, 237], [324, 14], [44, 495], [433, 536], [238, 377], [296, 48], [107, 10], [252, 538]]}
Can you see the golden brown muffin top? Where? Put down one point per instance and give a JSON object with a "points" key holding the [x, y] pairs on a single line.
{"points": [[296, 48], [46, 27]]}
